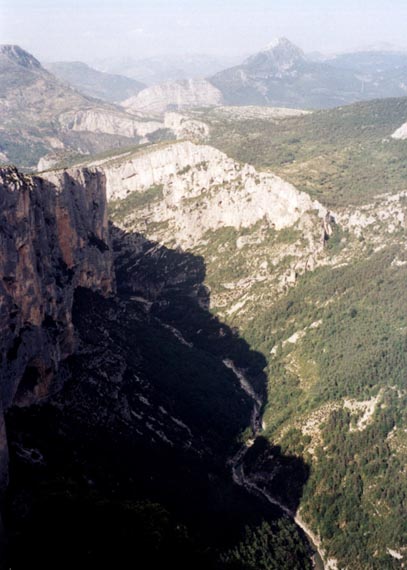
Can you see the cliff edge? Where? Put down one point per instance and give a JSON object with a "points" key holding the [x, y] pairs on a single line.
{"points": [[53, 238]]}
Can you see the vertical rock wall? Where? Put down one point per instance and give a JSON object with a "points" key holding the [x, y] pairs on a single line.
{"points": [[54, 237]]}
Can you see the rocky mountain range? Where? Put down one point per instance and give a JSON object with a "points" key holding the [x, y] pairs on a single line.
{"points": [[282, 75], [41, 115], [94, 83]]}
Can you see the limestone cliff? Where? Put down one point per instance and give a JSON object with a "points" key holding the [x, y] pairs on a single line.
{"points": [[184, 127], [113, 123], [203, 189], [253, 228], [53, 238]]}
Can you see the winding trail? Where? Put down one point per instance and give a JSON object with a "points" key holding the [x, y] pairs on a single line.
{"points": [[241, 479]]}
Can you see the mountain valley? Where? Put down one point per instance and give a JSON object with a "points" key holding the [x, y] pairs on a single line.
{"points": [[124, 380], [203, 345], [291, 282]]}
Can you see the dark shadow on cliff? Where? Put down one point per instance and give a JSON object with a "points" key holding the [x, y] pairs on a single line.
{"points": [[280, 474], [174, 281], [132, 457]]}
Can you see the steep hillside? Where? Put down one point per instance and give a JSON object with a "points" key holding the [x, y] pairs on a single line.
{"points": [[41, 115], [319, 294], [281, 75], [94, 83]]}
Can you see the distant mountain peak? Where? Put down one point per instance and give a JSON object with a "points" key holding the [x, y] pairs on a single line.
{"points": [[280, 43], [280, 55], [19, 56]]}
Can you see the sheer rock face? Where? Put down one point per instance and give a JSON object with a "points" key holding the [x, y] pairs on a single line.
{"points": [[204, 189], [53, 238]]}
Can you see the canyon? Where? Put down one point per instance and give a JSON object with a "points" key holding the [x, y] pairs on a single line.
{"points": [[81, 331], [202, 315]]}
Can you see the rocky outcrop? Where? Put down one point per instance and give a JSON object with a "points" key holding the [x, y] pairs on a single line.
{"points": [[53, 238], [19, 56], [113, 123], [401, 133], [279, 58], [255, 230], [186, 128], [203, 189], [174, 96], [386, 216]]}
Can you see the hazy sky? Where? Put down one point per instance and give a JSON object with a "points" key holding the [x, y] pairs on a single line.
{"points": [[87, 29]]}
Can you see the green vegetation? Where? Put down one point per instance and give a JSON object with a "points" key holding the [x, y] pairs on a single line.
{"points": [[336, 341], [342, 156], [228, 254], [119, 209], [263, 548], [23, 155], [356, 496]]}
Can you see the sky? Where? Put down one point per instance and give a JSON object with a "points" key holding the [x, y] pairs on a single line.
{"points": [[55, 30]]}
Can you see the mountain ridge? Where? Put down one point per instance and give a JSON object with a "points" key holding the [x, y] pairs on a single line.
{"points": [[98, 84], [18, 55], [41, 115], [282, 75]]}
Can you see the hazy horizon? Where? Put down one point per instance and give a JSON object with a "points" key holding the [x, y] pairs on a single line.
{"points": [[90, 30]]}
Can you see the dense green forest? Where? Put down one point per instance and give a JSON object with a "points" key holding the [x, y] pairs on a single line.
{"points": [[357, 492]]}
